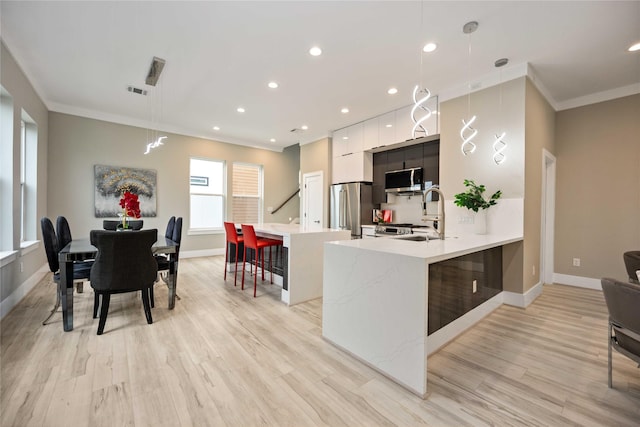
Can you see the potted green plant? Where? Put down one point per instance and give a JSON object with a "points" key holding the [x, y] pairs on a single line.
{"points": [[474, 200]]}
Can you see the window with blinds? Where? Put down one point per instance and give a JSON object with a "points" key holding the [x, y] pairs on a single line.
{"points": [[247, 192]]}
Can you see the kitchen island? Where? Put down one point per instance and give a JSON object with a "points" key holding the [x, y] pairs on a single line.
{"points": [[301, 275], [375, 302]]}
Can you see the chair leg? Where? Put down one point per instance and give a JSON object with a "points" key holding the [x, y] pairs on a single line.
{"points": [[255, 279], [609, 355], [235, 272], [226, 258], [145, 304], [106, 298], [151, 298], [96, 304], [244, 259], [55, 307]]}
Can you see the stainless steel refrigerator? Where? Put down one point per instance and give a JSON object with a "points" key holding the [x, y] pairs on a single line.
{"points": [[351, 206]]}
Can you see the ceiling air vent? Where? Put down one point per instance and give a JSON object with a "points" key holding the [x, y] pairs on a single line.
{"points": [[154, 71], [136, 90]]}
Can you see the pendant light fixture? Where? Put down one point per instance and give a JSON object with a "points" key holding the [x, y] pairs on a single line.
{"points": [[420, 111], [499, 145], [467, 133], [157, 65]]}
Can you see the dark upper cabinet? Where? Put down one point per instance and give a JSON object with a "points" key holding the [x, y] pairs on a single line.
{"points": [[379, 168], [395, 159], [413, 156]]}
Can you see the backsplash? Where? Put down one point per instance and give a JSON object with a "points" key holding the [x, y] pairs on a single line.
{"points": [[408, 209]]}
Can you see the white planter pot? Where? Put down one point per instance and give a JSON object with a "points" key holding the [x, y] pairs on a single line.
{"points": [[480, 222]]}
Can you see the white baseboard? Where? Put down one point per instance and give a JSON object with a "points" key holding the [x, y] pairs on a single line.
{"points": [[201, 253], [7, 304], [522, 300], [579, 281]]}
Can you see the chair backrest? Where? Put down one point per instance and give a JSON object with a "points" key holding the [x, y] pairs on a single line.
{"points": [[63, 231], [249, 236], [232, 233], [50, 244], [135, 224], [110, 224], [623, 303], [632, 264], [177, 231], [124, 261], [170, 226]]}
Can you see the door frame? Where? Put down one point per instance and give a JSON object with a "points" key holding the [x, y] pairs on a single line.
{"points": [[547, 218]]}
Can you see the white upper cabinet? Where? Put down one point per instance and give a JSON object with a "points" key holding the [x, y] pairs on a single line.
{"points": [[371, 134], [387, 129], [348, 140], [404, 124], [352, 167]]}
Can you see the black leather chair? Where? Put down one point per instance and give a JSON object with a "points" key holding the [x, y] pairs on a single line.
{"points": [[162, 260], [623, 303], [81, 271], [63, 232], [124, 263], [632, 264], [114, 224]]}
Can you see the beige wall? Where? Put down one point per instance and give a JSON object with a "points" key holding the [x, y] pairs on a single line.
{"points": [[539, 135], [76, 144], [24, 99], [317, 157], [598, 187], [492, 118]]}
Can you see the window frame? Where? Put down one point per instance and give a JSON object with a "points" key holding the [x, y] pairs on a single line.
{"points": [[259, 196], [223, 196]]}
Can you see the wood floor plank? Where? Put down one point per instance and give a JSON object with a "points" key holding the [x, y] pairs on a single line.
{"points": [[224, 358]]}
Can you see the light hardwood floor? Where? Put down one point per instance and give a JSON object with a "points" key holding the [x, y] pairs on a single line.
{"points": [[224, 358]]}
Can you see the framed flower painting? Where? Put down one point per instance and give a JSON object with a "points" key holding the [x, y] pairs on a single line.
{"points": [[112, 181]]}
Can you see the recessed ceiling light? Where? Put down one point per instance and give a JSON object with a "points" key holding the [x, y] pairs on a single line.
{"points": [[240, 110], [272, 140], [315, 51], [392, 91], [634, 47], [345, 137], [388, 125], [429, 47], [216, 128], [304, 127], [345, 110], [273, 85]]}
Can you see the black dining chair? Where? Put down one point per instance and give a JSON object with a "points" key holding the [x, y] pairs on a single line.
{"points": [[632, 264], [114, 224], [63, 232], [124, 263], [623, 300], [163, 260], [81, 271]]}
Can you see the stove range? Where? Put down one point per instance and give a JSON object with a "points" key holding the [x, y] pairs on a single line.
{"points": [[396, 229]]}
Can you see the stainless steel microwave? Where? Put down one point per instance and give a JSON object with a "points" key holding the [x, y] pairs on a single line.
{"points": [[403, 181]]}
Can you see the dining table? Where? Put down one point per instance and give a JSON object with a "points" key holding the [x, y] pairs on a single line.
{"points": [[82, 250]]}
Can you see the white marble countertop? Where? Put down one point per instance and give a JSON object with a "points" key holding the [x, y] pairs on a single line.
{"points": [[278, 229], [432, 250]]}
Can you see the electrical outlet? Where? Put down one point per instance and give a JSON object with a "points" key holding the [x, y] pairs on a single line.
{"points": [[475, 286], [576, 262]]}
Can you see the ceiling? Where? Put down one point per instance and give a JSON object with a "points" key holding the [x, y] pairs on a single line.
{"points": [[82, 56]]}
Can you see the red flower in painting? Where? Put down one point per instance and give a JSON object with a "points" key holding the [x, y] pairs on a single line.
{"points": [[130, 204]]}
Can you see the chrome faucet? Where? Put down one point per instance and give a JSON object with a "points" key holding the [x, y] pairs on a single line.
{"points": [[439, 218]]}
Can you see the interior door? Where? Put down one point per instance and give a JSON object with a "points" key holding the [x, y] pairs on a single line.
{"points": [[313, 204]]}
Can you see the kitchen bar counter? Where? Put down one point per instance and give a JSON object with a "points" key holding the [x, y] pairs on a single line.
{"points": [[303, 252], [375, 302]]}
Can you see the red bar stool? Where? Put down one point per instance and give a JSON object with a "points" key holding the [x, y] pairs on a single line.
{"points": [[251, 241], [232, 237]]}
